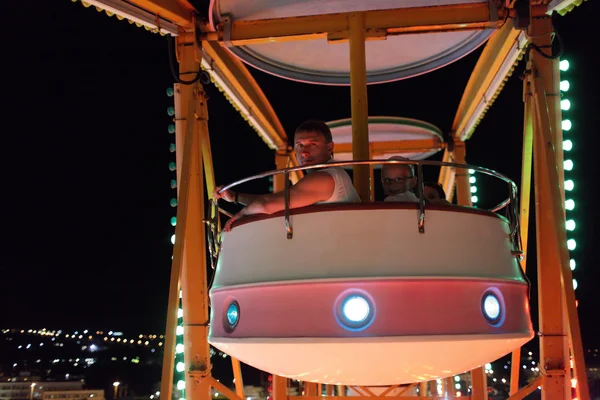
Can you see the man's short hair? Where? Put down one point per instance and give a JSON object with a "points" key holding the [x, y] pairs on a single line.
{"points": [[316, 126], [400, 158]]}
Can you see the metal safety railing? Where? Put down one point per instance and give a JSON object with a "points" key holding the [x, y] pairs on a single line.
{"points": [[509, 205]]}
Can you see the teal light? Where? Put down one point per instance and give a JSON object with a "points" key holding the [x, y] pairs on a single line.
{"points": [[172, 147], [565, 104], [571, 225], [569, 185], [172, 166], [568, 165], [171, 128], [474, 199], [171, 111], [563, 65], [173, 183], [572, 264], [567, 125], [567, 145], [570, 205], [571, 244], [173, 221], [564, 86], [170, 92], [473, 189]]}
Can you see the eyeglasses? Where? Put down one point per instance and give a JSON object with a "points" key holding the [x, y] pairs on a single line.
{"points": [[400, 179]]}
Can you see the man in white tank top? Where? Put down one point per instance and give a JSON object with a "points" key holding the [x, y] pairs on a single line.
{"points": [[313, 144]]}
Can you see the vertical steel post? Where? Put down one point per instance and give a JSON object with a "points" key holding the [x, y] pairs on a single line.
{"points": [[360, 112]]}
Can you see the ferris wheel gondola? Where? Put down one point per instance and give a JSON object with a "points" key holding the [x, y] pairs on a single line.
{"points": [[361, 284]]}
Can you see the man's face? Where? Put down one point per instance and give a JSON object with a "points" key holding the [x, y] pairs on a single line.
{"points": [[397, 179], [311, 148]]}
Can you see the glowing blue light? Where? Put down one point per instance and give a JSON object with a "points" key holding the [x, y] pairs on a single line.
{"points": [[491, 307], [356, 309], [233, 314]]}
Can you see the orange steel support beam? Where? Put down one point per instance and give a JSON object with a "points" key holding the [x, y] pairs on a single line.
{"points": [[556, 294], [246, 87], [392, 22], [178, 12], [478, 384], [463, 194], [380, 148], [360, 113], [189, 258], [279, 387], [447, 175], [463, 186], [495, 52], [524, 204]]}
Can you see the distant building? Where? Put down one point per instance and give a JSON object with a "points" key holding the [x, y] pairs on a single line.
{"points": [[25, 390], [74, 395]]}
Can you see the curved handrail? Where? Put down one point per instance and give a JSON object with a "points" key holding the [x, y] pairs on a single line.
{"points": [[510, 203]]}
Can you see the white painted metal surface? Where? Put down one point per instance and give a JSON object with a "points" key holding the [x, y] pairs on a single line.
{"points": [[383, 360], [388, 129], [367, 243], [317, 61]]}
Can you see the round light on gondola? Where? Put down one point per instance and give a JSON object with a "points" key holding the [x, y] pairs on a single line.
{"points": [[492, 307], [232, 316], [354, 310]]}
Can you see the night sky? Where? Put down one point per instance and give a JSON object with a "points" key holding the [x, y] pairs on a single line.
{"points": [[85, 199]]}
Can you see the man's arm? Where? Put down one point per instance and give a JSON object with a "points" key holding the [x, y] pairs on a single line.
{"points": [[311, 189], [230, 196]]}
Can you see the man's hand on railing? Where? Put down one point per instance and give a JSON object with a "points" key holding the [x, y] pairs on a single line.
{"points": [[227, 195]]}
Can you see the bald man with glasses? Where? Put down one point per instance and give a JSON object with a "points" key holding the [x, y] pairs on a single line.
{"points": [[398, 181]]}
